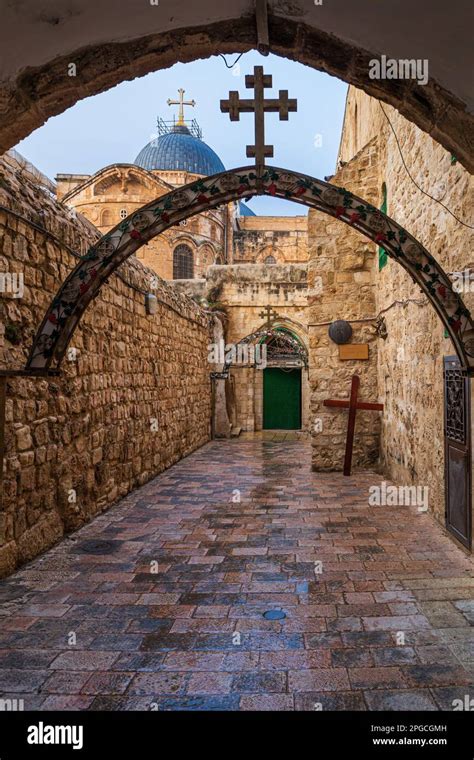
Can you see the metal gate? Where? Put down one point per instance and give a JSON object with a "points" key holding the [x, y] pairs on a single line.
{"points": [[457, 441]]}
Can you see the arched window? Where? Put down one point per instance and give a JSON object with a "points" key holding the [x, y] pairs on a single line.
{"points": [[207, 256], [106, 218], [123, 213], [383, 258], [270, 260], [183, 265]]}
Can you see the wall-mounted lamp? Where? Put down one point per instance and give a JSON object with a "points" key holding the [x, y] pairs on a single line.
{"points": [[151, 303]]}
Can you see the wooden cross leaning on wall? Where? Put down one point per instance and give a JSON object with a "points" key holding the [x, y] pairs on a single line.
{"points": [[353, 405]]}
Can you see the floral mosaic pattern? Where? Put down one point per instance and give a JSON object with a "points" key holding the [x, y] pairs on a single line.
{"points": [[104, 257]]}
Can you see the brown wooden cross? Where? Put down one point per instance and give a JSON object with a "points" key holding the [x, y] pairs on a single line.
{"points": [[352, 405], [259, 105]]}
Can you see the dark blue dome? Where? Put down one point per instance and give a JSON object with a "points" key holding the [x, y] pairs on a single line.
{"points": [[179, 150], [245, 210]]}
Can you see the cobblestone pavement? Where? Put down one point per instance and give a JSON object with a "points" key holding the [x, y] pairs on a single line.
{"points": [[172, 599]]}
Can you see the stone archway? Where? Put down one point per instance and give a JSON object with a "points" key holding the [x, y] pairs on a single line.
{"points": [[282, 345], [277, 356], [113, 48], [104, 257]]}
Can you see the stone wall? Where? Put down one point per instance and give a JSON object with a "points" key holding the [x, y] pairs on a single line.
{"points": [[410, 360], [283, 237], [341, 286], [242, 291], [133, 396], [363, 121]]}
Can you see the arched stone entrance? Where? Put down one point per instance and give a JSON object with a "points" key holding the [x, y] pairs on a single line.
{"points": [[102, 259], [274, 362], [118, 47]]}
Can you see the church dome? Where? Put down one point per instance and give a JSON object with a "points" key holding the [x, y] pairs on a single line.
{"points": [[245, 210], [179, 150]]}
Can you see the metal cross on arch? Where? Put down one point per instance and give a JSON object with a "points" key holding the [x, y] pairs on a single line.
{"points": [[259, 105]]}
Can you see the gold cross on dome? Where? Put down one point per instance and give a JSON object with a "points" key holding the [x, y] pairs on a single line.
{"points": [[270, 314], [259, 105], [181, 103]]}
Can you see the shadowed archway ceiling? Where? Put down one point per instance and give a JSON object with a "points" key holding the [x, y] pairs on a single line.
{"points": [[111, 42]]}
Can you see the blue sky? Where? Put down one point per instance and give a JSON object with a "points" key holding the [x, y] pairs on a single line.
{"points": [[113, 126]]}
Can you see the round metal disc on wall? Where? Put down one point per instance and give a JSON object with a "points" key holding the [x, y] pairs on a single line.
{"points": [[340, 331]]}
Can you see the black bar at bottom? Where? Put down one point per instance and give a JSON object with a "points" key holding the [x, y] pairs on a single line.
{"points": [[220, 734]]}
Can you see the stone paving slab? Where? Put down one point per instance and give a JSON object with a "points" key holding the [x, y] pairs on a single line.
{"points": [[239, 579]]}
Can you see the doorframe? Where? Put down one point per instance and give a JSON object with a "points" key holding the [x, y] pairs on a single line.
{"points": [[467, 446]]}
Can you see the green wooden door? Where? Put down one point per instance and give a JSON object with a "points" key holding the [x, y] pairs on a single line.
{"points": [[281, 399]]}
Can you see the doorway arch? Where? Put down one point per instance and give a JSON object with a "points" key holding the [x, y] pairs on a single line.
{"points": [[104, 257], [276, 351], [285, 338]]}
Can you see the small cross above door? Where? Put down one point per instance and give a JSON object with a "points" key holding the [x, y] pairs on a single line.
{"points": [[270, 314]]}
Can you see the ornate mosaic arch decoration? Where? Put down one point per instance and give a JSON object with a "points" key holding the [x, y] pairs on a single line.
{"points": [[281, 342], [105, 256]]}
